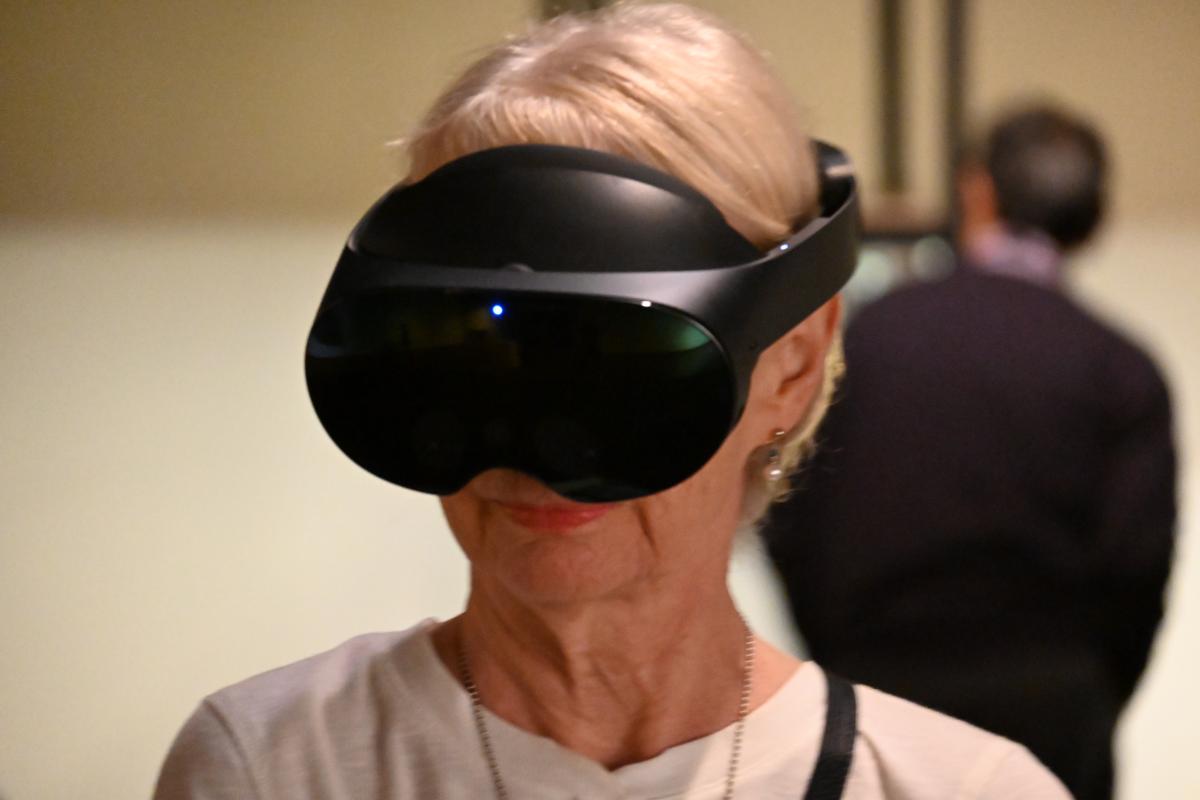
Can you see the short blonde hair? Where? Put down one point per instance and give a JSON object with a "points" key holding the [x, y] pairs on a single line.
{"points": [[667, 85]]}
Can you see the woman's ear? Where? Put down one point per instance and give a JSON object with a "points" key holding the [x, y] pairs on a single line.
{"points": [[789, 373]]}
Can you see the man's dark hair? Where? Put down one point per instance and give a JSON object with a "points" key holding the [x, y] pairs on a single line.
{"points": [[1049, 171]]}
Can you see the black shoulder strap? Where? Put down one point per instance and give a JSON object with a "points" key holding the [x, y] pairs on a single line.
{"points": [[837, 745]]}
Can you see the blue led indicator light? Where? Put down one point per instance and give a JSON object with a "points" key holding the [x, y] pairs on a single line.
{"points": [[497, 310]]}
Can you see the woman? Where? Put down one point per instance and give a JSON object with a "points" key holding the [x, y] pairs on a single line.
{"points": [[600, 653]]}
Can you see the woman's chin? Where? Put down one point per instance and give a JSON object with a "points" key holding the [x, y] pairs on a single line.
{"points": [[557, 569]]}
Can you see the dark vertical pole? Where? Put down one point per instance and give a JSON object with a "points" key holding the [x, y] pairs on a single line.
{"points": [[957, 77], [891, 94]]}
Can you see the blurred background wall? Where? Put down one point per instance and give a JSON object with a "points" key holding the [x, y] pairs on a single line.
{"points": [[176, 181]]}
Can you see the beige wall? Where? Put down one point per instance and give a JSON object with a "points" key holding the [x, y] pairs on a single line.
{"points": [[277, 108], [1133, 67], [280, 109], [177, 181], [132, 109]]}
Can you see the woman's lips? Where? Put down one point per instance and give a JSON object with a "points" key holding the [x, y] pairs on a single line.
{"points": [[554, 518]]}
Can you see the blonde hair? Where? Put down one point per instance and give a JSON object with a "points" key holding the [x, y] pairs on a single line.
{"points": [[667, 85]]}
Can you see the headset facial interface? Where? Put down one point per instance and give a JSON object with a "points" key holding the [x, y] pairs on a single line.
{"points": [[571, 314]]}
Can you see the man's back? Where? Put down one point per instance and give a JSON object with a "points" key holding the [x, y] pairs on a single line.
{"points": [[987, 527]]}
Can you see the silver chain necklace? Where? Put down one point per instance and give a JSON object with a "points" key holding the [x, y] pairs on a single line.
{"points": [[735, 753]]}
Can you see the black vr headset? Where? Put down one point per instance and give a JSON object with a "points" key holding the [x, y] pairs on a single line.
{"points": [[568, 313]]}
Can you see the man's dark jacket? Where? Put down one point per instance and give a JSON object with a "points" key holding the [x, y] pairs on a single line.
{"points": [[987, 527]]}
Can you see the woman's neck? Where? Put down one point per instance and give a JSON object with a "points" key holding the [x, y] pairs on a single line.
{"points": [[619, 680]]}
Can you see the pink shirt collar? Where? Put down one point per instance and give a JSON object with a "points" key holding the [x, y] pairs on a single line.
{"points": [[1031, 256]]}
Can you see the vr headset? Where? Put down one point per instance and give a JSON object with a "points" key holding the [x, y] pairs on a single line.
{"points": [[568, 313]]}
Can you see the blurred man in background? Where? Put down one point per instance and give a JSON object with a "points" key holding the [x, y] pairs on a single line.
{"points": [[987, 528]]}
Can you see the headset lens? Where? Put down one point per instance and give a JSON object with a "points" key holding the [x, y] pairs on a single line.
{"points": [[600, 399]]}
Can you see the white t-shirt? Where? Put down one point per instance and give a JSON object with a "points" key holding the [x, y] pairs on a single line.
{"points": [[381, 718]]}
